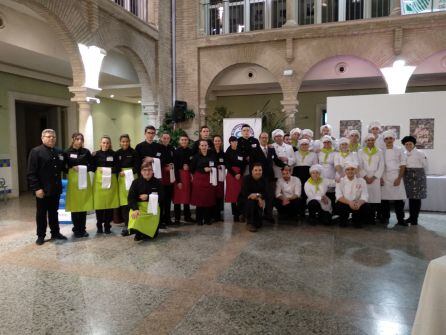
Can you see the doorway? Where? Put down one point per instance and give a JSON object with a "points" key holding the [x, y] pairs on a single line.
{"points": [[31, 119]]}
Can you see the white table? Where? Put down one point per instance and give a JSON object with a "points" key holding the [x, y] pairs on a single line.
{"points": [[431, 313], [436, 194]]}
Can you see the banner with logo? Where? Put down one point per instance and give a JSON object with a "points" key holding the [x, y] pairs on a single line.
{"points": [[233, 127]]}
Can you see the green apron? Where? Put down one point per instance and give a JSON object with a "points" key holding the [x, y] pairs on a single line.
{"points": [[123, 193], [78, 200], [145, 223], [105, 198]]}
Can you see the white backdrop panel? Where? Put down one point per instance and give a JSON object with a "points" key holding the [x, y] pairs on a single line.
{"points": [[232, 127], [396, 110]]}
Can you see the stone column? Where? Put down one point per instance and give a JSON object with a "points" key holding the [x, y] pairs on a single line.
{"points": [[289, 108], [291, 20], [149, 115]]}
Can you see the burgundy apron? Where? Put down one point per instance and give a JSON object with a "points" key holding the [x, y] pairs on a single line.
{"points": [[182, 196], [203, 193], [233, 186]]}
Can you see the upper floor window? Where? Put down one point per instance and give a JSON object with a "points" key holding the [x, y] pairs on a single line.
{"points": [[136, 7]]}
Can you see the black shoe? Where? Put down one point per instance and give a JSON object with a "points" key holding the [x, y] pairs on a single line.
{"points": [[40, 240], [343, 224], [200, 223], [208, 222], [177, 222], [163, 226], [99, 231], [125, 232], [269, 218], [190, 220], [107, 230], [384, 221], [58, 236], [80, 235], [137, 237], [403, 223]]}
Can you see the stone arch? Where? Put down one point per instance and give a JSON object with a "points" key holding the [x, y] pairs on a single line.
{"points": [[433, 63], [68, 39]]}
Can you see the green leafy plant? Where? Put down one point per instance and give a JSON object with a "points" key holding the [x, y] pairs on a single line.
{"points": [[168, 127], [215, 120], [271, 118]]}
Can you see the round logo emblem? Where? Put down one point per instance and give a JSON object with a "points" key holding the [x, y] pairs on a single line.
{"points": [[237, 130]]}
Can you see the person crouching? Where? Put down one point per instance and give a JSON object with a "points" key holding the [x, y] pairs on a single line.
{"points": [[143, 202]]}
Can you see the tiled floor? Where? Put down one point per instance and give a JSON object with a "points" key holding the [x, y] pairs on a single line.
{"points": [[217, 279]]}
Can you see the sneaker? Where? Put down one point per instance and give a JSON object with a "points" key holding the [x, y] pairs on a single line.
{"points": [[58, 236], [40, 240]]}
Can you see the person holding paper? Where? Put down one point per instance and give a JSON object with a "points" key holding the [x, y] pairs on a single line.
{"points": [[168, 178], [352, 197], [235, 166], [143, 203], [149, 149], [45, 166], [319, 205], [221, 170], [182, 188], [79, 199], [253, 197], [127, 168], [203, 186], [105, 187]]}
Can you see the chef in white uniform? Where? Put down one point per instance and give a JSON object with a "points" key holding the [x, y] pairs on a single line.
{"points": [[375, 129], [371, 168], [284, 151], [326, 160], [344, 156], [392, 185]]}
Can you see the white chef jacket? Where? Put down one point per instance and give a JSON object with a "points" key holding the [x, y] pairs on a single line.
{"points": [[393, 159], [313, 194], [415, 159], [374, 168], [289, 188], [328, 167], [284, 150], [309, 160], [355, 189]]}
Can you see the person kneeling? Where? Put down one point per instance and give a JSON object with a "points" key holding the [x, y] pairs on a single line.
{"points": [[319, 205], [288, 192], [253, 196], [352, 197], [143, 202]]}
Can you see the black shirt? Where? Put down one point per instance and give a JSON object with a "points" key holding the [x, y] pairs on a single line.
{"points": [[196, 149], [145, 149], [219, 157], [250, 185], [45, 166], [181, 156], [199, 162], [105, 159], [167, 154], [234, 158], [127, 159], [75, 157], [247, 146], [142, 186]]}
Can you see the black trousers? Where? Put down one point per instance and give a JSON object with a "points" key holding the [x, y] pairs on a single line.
{"points": [[47, 208], [177, 211], [253, 213], [104, 216], [362, 215], [269, 202], [203, 215], [290, 210], [399, 209], [303, 173], [414, 210], [125, 210], [165, 216], [79, 220], [218, 208], [315, 210], [235, 209]]}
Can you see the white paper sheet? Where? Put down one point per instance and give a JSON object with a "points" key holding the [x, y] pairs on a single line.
{"points": [[221, 173], [157, 168], [128, 178], [172, 174], [82, 177], [152, 207], [106, 177], [213, 176]]}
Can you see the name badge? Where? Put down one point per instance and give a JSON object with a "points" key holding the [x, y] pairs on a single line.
{"points": [[61, 157], [73, 156], [239, 158], [190, 157], [221, 160], [211, 163], [110, 159], [158, 154], [254, 145]]}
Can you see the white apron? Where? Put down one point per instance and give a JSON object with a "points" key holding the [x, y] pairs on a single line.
{"points": [[393, 158], [374, 190]]}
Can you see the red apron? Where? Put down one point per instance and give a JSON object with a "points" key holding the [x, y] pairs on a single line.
{"points": [[182, 196], [165, 180], [203, 193], [233, 186]]}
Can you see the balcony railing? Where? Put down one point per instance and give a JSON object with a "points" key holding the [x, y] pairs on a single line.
{"points": [[138, 8], [236, 16]]}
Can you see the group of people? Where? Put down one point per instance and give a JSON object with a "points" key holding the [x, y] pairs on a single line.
{"points": [[329, 178]]}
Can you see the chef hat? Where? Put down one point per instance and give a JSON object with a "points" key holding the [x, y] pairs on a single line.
{"points": [[375, 124], [368, 136], [316, 167], [295, 130], [343, 140], [354, 131], [277, 132], [350, 164], [307, 132], [326, 126], [317, 145], [389, 133], [326, 138], [303, 141]]}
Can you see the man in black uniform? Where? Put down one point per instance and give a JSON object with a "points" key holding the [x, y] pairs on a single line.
{"points": [[167, 167], [45, 165], [247, 146], [149, 149], [204, 135]]}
